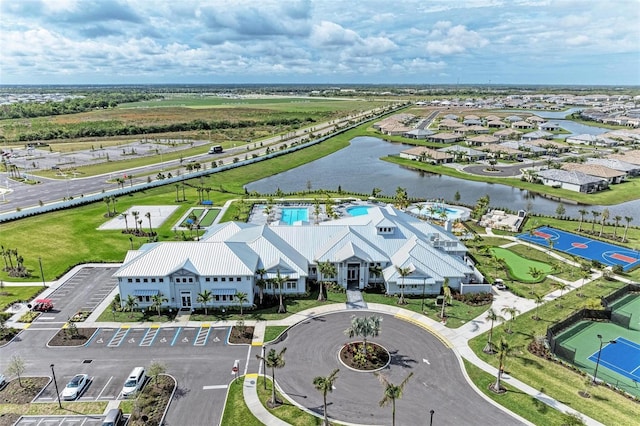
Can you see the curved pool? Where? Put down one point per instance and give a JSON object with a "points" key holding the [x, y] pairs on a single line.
{"points": [[435, 211], [358, 210]]}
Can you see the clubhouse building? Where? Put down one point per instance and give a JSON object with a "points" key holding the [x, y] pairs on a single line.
{"points": [[366, 250]]}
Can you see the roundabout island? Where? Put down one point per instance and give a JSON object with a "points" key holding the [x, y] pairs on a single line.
{"points": [[438, 382]]}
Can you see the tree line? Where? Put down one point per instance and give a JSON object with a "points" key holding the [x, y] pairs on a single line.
{"points": [[115, 128]]}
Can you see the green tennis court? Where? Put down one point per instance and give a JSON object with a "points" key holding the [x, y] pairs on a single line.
{"points": [[582, 338], [519, 266]]}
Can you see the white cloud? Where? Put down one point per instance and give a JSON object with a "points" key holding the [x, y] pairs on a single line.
{"points": [[447, 39]]}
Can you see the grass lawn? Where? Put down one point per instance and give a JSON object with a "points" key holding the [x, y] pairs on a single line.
{"points": [[273, 331], [520, 267], [458, 313], [51, 408], [518, 402], [557, 381], [11, 294], [136, 316], [287, 411], [236, 411]]}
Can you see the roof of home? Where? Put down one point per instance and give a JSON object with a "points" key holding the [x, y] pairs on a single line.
{"points": [[573, 177], [420, 150], [613, 163], [594, 170], [483, 139], [499, 148], [460, 148], [628, 156], [538, 134], [239, 249]]}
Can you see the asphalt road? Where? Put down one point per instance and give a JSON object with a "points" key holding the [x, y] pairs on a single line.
{"points": [[437, 382]]}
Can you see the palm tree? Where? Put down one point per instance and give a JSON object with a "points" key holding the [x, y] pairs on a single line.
{"points": [[504, 350], [617, 220], [126, 224], [493, 317], [403, 272], [157, 301], [583, 213], [595, 217], [364, 327], [273, 360], [260, 283], [561, 286], [376, 271], [539, 300], [135, 215], [628, 219], [130, 304], [204, 298], [447, 295], [325, 385], [391, 393], [605, 216], [326, 269], [512, 311], [107, 201], [279, 281], [241, 298], [148, 216]]}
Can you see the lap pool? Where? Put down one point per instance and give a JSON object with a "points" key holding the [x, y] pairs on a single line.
{"points": [[292, 215]]}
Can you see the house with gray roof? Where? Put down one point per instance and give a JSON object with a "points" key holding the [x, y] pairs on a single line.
{"points": [[612, 176], [459, 151], [237, 257], [619, 165], [571, 180], [537, 134]]}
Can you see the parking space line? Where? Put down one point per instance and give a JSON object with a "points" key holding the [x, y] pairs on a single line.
{"points": [[149, 337], [203, 335], [104, 388], [175, 338], [228, 334], [117, 338]]}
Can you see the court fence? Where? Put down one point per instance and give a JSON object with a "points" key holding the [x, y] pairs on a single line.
{"points": [[555, 330]]}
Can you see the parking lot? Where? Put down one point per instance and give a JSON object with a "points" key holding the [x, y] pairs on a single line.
{"points": [[165, 337]]}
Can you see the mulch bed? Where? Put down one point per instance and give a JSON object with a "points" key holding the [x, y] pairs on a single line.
{"points": [[376, 358], [150, 405], [62, 339], [13, 393], [237, 335]]}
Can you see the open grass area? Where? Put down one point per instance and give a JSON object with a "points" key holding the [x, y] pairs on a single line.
{"points": [[518, 402], [287, 411], [627, 191], [458, 313], [11, 294], [273, 331], [236, 411], [557, 381]]}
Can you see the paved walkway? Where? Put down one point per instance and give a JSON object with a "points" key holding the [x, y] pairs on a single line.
{"points": [[457, 339]]}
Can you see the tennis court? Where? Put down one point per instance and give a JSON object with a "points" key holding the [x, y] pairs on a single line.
{"points": [[582, 246], [623, 357]]}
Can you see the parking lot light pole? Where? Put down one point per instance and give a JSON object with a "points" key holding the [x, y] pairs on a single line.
{"points": [[595, 373], [264, 367], [41, 273], [55, 382], [431, 412]]}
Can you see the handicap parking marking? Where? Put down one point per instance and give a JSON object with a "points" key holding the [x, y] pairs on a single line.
{"points": [[202, 336], [218, 336], [102, 336], [117, 338], [134, 337], [187, 336], [149, 336], [165, 336]]}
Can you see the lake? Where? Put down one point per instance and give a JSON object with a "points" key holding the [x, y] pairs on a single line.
{"points": [[358, 168]]}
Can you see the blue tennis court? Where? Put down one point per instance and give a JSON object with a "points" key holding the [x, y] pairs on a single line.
{"points": [[578, 245], [623, 357]]}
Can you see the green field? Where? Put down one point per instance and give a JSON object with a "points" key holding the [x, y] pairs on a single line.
{"points": [[519, 266], [209, 216]]}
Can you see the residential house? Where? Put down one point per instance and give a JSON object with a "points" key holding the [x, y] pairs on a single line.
{"points": [[612, 176], [507, 134], [620, 165], [521, 125], [537, 134], [426, 155], [464, 152], [571, 180], [482, 140], [549, 127], [496, 124], [498, 151], [445, 138], [418, 133]]}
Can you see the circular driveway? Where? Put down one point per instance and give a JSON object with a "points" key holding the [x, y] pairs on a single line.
{"points": [[437, 382], [502, 171]]}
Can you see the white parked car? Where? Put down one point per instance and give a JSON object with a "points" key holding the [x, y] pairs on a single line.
{"points": [[75, 387], [500, 284]]}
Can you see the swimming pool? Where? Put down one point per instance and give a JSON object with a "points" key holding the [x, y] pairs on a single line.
{"points": [[292, 215], [436, 212], [358, 210]]}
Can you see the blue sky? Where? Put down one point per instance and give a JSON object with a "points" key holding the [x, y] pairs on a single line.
{"points": [[320, 41]]}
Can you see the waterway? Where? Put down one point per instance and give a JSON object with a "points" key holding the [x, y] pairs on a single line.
{"points": [[358, 168], [559, 118]]}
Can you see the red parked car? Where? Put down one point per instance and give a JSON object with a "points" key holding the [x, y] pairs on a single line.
{"points": [[42, 305]]}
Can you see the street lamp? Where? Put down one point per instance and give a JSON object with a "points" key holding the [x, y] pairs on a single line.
{"points": [[595, 373], [41, 273], [432, 412], [264, 366], [53, 373]]}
